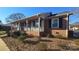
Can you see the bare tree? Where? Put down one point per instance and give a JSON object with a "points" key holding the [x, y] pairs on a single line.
{"points": [[14, 17]]}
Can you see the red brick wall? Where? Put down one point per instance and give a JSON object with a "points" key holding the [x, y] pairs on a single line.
{"points": [[61, 31]]}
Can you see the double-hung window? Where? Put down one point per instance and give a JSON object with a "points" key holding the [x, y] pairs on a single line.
{"points": [[55, 23]]}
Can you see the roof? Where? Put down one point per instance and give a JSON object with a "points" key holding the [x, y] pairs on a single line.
{"points": [[43, 15], [63, 14], [5, 24]]}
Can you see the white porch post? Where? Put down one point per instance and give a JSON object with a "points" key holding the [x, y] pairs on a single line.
{"points": [[26, 25], [67, 25], [31, 26], [19, 26], [39, 25], [16, 26]]}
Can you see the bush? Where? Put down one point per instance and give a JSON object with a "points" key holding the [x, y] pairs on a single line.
{"points": [[16, 34], [22, 37], [19, 35]]}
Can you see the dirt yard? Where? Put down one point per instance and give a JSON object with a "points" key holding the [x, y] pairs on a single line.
{"points": [[43, 44]]}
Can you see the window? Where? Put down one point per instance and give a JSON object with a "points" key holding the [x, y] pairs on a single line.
{"points": [[55, 23], [35, 23]]}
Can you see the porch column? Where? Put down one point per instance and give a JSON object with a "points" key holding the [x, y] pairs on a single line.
{"points": [[68, 21], [16, 26], [67, 25], [31, 26], [39, 26], [26, 25], [19, 25]]}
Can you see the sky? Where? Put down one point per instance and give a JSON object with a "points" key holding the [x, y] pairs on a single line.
{"points": [[29, 11]]}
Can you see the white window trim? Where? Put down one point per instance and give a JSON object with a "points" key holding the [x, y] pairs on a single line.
{"points": [[57, 22]]}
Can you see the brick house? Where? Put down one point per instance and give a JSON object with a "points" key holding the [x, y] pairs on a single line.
{"points": [[44, 24]]}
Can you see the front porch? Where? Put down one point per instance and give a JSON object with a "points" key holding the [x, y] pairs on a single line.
{"points": [[31, 26]]}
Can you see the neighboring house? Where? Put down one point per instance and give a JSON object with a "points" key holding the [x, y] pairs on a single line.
{"points": [[44, 24], [74, 27], [5, 27]]}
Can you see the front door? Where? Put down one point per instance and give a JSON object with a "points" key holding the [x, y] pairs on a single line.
{"points": [[42, 25]]}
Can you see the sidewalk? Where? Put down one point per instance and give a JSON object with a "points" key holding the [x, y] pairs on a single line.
{"points": [[3, 46]]}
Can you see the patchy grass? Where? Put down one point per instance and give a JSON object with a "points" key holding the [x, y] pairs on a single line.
{"points": [[3, 33], [42, 46], [38, 45], [76, 41]]}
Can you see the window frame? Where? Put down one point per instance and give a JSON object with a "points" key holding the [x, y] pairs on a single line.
{"points": [[53, 22]]}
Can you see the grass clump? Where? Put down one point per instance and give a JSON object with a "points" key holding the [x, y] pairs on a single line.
{"points": [[2, 32]]}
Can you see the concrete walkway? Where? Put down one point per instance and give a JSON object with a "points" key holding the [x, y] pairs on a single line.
{"points": [[3, 46]]}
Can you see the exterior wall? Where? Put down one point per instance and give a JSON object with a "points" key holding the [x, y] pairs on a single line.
{"points": [[63, 33], [62, 30], [33, 33]]}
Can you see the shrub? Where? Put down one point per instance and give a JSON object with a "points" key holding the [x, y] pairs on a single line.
{"points": [[22, 37], [16, 34], [19, 35]]}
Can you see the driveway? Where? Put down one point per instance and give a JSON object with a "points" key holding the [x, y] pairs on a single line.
{"points": [[3, 46]]}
